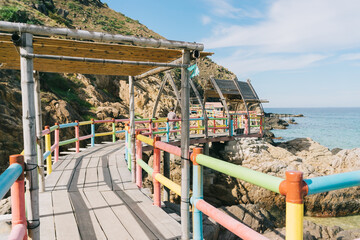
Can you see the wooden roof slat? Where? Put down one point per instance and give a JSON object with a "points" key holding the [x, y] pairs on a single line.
{"points": [[10, 59]]}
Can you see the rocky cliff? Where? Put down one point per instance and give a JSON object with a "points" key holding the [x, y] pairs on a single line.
{"points": [[69, 97]]}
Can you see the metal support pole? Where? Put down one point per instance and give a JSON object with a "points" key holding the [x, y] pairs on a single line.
{"points": [[132, 128], [29, 134], [185, 147], [40, 140]]}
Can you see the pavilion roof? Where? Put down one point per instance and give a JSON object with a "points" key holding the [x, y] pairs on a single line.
{"points": [[10, 57]]}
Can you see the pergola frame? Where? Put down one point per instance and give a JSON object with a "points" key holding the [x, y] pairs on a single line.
{"points": [[32, 111], [235, 91]]}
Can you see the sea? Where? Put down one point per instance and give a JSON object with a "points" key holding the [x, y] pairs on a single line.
{"points": [[331, 127]]}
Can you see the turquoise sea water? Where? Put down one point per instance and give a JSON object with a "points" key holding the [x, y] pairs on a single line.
{"points": [[331, 127]]}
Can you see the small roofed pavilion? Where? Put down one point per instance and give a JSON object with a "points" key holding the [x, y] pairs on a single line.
{"points": [[30, 47], [234, 95]]}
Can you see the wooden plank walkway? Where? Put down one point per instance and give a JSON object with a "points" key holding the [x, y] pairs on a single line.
{"points": [[89, 195]]}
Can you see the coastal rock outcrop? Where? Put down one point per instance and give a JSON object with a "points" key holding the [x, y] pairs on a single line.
{"points": [[303, 155], [314, 231]]}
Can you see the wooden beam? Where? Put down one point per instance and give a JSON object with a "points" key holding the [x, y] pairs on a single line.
{"points": [[158, 96], [157, 70], [39, 127], [176, 91], [245, 103], [185, 148], [29, 134], [253, 90], [222, 98], [162, 69], [98, 36], [132, 128]]}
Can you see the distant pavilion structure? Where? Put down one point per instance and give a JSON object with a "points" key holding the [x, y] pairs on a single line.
{"points": [[232, 94]]}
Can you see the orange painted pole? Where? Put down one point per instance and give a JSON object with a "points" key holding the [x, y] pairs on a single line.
{"points": [[57, 140], [156, 167], [294, 188], [18, 195], [138, 167], [77, 135]]}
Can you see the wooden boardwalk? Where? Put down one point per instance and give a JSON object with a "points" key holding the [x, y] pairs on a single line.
{"points": [[89, 195]]}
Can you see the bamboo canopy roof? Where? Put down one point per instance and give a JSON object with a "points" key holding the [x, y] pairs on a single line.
{"points": [[10, 57]]}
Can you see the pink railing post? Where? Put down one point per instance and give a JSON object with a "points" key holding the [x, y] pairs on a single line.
{"points": [[18, 197], [138, 167], [246, 131], [57, 140], [156, 167], [77, 135]]}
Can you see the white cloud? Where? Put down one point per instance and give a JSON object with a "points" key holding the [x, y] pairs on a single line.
{"points": [[205, 20], [350, 56], [223, 8], [293, 26], [244, 66]]}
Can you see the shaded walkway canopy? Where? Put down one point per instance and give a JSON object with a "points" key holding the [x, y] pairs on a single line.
{"points": [[89, 57]]}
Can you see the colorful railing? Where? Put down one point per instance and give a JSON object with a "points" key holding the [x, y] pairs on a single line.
{"points": [[13, 177], [146, 134], [293, 187]]}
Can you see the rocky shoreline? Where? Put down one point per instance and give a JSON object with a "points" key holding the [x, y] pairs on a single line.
{"points": [[263, 210]]}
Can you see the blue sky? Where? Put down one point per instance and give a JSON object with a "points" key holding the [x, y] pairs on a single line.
{"points": [[296, 53]]}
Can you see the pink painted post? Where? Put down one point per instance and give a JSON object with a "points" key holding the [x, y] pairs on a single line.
{"points": [[57, 140], [138, 167], [261, 125], [236, 122], [246, 131], [77, 135], [156, 167], [18, 196]]}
